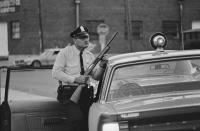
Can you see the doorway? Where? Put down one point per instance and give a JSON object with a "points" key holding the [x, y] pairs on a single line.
{"points": [[4, 41]]}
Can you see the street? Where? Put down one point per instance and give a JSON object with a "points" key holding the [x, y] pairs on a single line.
{"points": [[35, 82], [20, 95]]}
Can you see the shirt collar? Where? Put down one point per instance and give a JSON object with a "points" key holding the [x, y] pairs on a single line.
{"points": [[76, 50]]}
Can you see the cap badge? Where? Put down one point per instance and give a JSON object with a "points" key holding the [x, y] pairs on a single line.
{"points": [[82, 29]]}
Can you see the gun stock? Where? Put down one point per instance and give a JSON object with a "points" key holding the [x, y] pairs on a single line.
{"points": [[76, 95]]}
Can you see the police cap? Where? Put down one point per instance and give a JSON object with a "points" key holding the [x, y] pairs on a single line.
{"points": [[80, 32]]}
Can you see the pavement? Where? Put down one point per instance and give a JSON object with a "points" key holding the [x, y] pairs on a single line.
{"points": [[15, 95]]}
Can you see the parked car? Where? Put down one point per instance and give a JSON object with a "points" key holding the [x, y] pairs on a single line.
{"points": [[47, 58], [150, 90]]}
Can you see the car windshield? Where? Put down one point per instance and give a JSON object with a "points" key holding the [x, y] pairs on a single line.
{"points": [[46, 53], [29, 84], [155, 78]]}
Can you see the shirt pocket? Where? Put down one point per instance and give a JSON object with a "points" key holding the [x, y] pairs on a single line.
{"points": [[73, 68]]}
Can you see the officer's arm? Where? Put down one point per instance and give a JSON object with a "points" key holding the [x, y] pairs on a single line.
{"points": [[98, 72], [59, 67]]}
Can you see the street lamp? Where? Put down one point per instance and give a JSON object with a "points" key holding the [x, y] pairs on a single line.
{"points": [[77, 2], [180, 3]]}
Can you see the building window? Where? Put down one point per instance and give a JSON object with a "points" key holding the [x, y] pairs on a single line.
{"points": [[171, 29], [15, 30], [17, 2], [92, 27], [9, 6], [137, 28]]}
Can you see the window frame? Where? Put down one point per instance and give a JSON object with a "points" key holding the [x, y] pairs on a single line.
{"points": [[137, 29], [135, 35], [167, 25], [15, 30]]}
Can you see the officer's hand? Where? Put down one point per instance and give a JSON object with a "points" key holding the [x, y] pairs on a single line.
{"points": [[104, 61], [82, 79], [102, 64]]}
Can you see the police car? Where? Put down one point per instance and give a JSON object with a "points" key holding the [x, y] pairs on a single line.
{"points": [[149, 90]]}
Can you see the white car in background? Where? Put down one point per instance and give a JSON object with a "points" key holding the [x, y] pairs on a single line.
{"points": [[47, 58]]}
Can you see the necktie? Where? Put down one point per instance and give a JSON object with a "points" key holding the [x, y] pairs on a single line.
{"points": [[81, 63]]}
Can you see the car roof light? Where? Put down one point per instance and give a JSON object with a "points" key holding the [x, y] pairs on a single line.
{"points": [[158, 41]]}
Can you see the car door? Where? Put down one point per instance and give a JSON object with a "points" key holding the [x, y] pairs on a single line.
{"points": [[5, 113], [29, 102], [38, 115]]}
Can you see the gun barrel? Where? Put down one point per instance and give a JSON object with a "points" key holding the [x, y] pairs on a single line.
{"points": [[111, 39]]}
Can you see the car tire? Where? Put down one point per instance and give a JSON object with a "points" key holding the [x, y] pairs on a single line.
{"points": [[36, 64]]}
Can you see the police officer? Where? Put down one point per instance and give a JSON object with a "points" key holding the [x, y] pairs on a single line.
{"points": [[69, 68]]}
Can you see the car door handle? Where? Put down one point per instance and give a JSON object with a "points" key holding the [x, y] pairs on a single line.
{"points": [[53, 120]]}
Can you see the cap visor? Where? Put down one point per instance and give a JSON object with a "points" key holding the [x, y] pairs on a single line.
{"points": [[82, 35]]}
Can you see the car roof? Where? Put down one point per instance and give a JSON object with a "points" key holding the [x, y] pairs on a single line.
{"points": [[147, 55]]}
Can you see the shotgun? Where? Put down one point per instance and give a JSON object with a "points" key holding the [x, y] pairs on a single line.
{"points": [[76, 95]]}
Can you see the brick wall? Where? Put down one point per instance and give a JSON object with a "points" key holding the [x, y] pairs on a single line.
{"points": [[58, 19]]}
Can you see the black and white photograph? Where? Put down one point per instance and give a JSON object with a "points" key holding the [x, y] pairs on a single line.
{"points": [[99, 65]]}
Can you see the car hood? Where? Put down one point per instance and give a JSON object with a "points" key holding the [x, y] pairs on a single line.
{"points": [[157, 102]]}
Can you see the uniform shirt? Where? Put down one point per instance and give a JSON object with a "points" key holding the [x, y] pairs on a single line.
{"points": [[67, 64]]}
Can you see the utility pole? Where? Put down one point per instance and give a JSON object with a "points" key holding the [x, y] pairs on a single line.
{"points": [[128, 23], [180, 3], [40, 27], [77, 3]]}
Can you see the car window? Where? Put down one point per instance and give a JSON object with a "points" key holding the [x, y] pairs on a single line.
{"points": [[45, 53], [155, 78], [2, 84], [30, 84], [55, 52]]}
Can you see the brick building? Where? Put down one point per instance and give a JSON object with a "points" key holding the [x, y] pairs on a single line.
{"points": [[34, 25]]}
